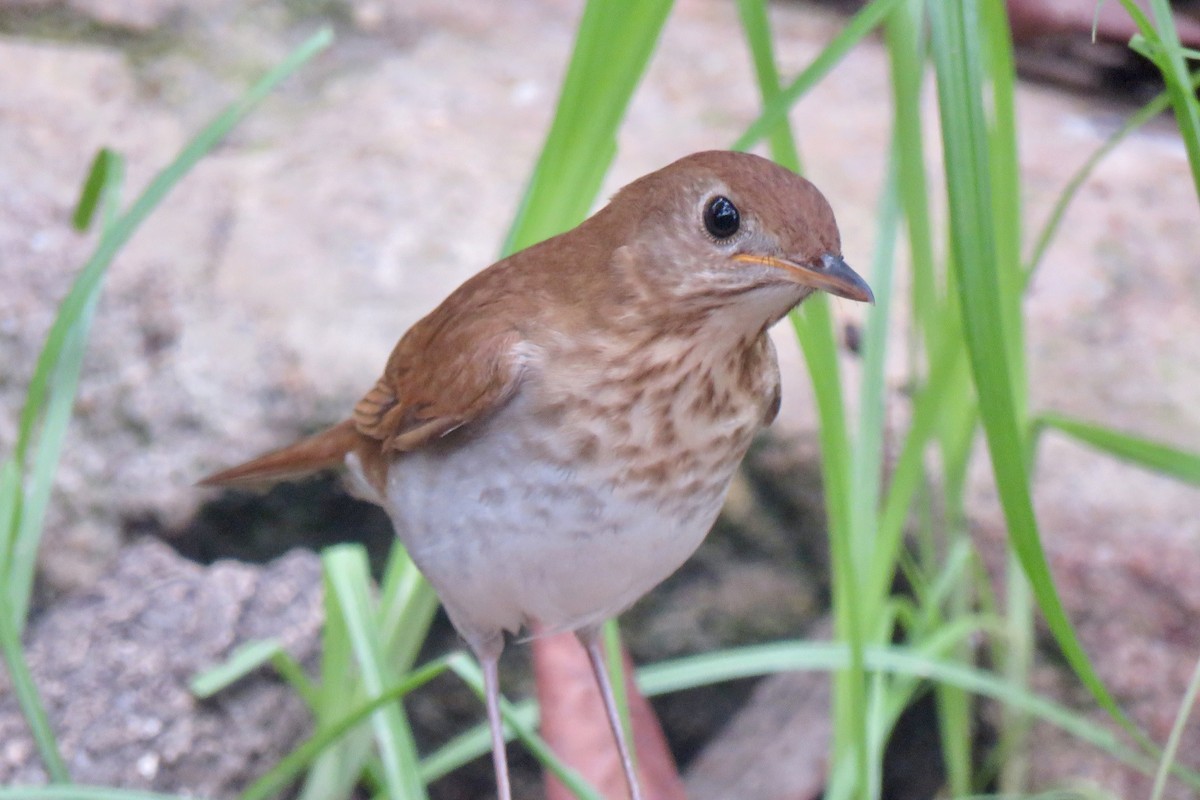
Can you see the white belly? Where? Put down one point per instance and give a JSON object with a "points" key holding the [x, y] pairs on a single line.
{"points": [[507, 538]]}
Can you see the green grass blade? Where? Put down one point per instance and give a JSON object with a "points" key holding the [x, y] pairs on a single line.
{"points": [[1172, 748], [775, 112], [58, 386], [27, 697], [249, 658], [74, 792], [99, 177], [814, 330], [1004, 177], [84, 290], [338, 768], [686, 673], [615, 665], [1152, 455], [125, 225], [350, 578], [473, 743], [612, 49], [867, 459], [1167, 53], [407, 604], [55, 420], [469, 672], [10, 508], [1049, 229], [757, 26], [906, 53], [283, 773], [957, 57]]}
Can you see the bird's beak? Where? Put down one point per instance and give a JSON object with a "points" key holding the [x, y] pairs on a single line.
{"points": [[829, 273]]}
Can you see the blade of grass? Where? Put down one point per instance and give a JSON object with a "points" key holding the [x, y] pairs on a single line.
{"points": [[814, 331], [407, 604], [248, 658], [469, 672], [336, 769], [27, 697], [1166, 51], [757, 26], [615, 664], [241, 662], [1050, 228], [867, 458], [26, 512], [83, 292], [906, 54], [957, 57], [350, 576], [775, 112], [1004, 169], [687, 673], [472, 744], [102, 190], [283, 773], [81, 793], [595, 95], [1172, 748], [100, 178], [1179, 464]]}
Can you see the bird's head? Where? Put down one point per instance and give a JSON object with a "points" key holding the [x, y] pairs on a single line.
{"points": [[726, 229]]}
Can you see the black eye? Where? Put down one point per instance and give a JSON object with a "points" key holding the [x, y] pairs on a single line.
{"points": [[721, 217]]}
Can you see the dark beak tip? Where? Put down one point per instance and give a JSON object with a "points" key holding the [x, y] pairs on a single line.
{"points": [[853, 287]]}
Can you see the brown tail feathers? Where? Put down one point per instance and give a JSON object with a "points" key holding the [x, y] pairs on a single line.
{"points": [[324, 450]]}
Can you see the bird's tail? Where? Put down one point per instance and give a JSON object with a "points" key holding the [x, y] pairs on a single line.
{"points": [[324, 450]]}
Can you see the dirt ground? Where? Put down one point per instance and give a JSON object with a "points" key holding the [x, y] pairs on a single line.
{"points": [[262, 298]]}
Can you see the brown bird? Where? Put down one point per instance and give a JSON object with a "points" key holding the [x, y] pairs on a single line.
{"points": [[557, 436]]}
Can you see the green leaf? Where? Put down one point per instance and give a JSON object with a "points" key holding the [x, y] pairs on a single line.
{"points": [[329, 734], [986, 318], [104, 166], [1144, 452], [1176, 735], [27, 697], [350, 577], [860, 25], [242, 661], [1049, 229], [469, 672], [36, 423], [613, 46], [746, 662], [74, 792]]}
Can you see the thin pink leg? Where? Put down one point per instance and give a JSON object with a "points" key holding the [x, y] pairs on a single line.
{"points": [[590, 639], [489, 658]]}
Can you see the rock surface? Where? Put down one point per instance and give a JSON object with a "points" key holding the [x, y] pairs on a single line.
{"points": [[113, 665]]}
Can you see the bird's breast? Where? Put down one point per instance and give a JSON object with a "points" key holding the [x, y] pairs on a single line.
{"points": [[592, 485], [669, 419]]}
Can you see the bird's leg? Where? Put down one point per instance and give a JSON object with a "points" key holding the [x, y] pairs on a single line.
{"points": [[590, 639], [488, 652]]}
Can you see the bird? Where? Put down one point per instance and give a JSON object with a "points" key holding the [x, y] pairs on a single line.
{"points": [[558, 435]]}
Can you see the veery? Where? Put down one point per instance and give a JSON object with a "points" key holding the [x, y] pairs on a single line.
{"points": [[558, 436]]}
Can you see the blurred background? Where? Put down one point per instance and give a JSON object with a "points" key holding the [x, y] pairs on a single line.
{"points": [[261, 298]]}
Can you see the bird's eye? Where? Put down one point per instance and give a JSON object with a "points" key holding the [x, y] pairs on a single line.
{"points": [[721, 217]]}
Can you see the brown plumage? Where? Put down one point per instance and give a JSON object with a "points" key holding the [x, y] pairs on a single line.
{"points": [[558, 435]]}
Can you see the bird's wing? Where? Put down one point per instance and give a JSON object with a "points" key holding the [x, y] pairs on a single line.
{"points": [[433, 384], [442, 375]]}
